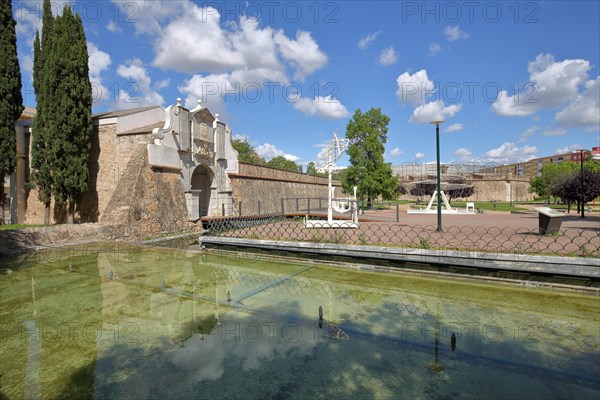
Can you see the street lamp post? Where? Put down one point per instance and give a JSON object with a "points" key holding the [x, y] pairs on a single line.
{"points": [[439, 186], [581, 153]]}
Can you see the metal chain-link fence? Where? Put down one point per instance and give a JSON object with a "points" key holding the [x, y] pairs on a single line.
{"points": [[566, 242]]}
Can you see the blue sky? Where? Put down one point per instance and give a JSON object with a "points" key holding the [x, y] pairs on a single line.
{"points": [[513, 80]]}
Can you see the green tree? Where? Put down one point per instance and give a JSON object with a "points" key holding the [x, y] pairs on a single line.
{"points": [[246, 152], [283, 163], [11, 100], [41, 174], [68, 121], [569, 188], [311, 169], [551, 173], [368, 170]]}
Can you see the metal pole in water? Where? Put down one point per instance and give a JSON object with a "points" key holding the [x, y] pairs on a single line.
{"points": [[320, 317]]}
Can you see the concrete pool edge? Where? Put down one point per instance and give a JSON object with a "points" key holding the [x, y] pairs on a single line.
{"points": [[579, 272]]}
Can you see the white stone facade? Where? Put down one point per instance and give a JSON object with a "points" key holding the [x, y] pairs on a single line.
{"points": [[198, 145]]}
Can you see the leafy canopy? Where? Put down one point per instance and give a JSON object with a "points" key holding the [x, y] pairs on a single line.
{"points": [[247, 153], [553, 175], [367, 133]]}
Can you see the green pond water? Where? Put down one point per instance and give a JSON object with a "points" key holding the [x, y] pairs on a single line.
{"points": [[126, 323]]}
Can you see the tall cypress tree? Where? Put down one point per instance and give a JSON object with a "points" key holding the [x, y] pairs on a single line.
{"points": [[69, 118], [11, 100], [41, 175]]}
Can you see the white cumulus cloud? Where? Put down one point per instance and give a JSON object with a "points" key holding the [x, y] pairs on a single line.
{"points": [[551, 84], [554, 132], [269, 151], [303, 53], [98, 62], [462, 153], [113, 27], [195, 40], [434, 111], [162, 84], [138, 91], [363, 43], [509, 152], [568, 149], [419, 156], [454, 128], [414, 89], [387, 57], [210, 89], [454, 33], [584, 110], [528, 133], [434, 48], [396, 152], [322, 106]]}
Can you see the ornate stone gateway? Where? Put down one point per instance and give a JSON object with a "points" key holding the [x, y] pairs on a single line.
{"points": [[198, 145], [202, 179]]}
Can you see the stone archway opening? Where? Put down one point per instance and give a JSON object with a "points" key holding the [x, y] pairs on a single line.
{"points": [[201, 183]]}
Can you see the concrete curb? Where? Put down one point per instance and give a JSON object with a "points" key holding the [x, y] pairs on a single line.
{"points": [[568, 267]]}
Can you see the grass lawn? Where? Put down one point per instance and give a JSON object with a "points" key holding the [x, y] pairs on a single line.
{"points": [[489, 205], [17, 226]]}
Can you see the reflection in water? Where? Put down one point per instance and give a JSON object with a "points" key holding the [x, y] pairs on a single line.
{"points": [[34, 351], [453, 341], [435, 366], [164, 324]]}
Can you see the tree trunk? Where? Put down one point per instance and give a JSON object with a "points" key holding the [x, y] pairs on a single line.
{"points": [[47, 213], [70, 209], [2, 222], [568, 207]]}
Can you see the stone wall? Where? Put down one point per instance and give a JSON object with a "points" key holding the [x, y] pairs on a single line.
{"points": [[495, 190], [255, 183], [501, 190], [109, 156], [146, 201]]}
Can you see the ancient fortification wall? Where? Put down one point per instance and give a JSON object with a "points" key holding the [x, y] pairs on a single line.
{"points": [[255, 183], [146, 201], [495, 190], [109, 156], [501, 190]]}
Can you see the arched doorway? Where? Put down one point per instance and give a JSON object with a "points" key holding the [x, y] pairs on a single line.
{"points": [[201, 182]]}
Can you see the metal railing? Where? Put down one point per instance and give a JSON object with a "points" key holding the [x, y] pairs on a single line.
{"points": [[566, 242]]}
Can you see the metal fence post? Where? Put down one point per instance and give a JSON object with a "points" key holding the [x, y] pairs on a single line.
{"points": [[223, 209], [282, 206], [397, 212], [308, 207], [240, 208], [297, 204], [259, 207]]}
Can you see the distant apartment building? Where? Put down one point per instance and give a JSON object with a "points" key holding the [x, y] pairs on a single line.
{"points": [[531, 168]]}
